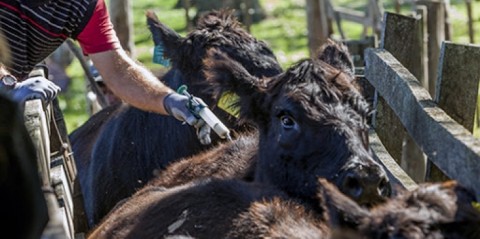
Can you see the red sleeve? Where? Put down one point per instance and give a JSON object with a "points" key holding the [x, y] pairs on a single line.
{"points": [[98, 35]]}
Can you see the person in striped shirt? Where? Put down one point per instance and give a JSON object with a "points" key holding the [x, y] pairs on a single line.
{"points": [[35, 28]]}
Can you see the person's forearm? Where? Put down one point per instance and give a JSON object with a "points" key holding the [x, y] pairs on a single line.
{"points": [[130, 81]]}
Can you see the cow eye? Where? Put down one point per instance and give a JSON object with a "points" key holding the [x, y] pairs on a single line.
{"points": [[287, 121]]}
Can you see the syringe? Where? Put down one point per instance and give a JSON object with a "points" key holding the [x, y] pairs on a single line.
{"points": [[200, 110]]}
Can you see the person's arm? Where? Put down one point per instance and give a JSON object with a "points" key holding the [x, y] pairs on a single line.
{"points": [[127, 79], [136, 85], [130, 81]]}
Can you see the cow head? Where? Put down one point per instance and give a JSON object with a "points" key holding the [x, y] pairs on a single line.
{"points": [[219, 30], [312, 122], [432, 210]]}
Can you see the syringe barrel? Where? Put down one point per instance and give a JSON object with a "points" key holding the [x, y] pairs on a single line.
{"points": [[214, 123]]}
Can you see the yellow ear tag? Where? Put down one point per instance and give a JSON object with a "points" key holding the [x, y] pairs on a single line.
{"points": [[227, 102], [476, 205]]}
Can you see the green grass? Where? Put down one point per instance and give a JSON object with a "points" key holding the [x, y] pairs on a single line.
{"points": [[284, 30]]}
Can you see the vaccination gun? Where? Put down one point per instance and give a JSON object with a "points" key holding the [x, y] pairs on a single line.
{"points": [[201, 111]]}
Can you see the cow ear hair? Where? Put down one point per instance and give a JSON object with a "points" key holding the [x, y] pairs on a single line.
{"points": [[163, 36], [337, 55], [343, 211], [226, 74]]}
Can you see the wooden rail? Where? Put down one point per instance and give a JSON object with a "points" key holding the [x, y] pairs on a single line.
{"points": [[56, 167], [450, 146], [395, 173], [422, 138]]}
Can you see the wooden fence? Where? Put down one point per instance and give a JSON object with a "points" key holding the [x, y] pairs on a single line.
{"points": [[418, 137], [56, 166]]}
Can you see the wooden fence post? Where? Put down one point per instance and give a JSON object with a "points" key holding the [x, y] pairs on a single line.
{"points": [[436, 35], [397, 176], [471, 33], [421, 15], [317, 24], [457, 88], [122, 19], [375, 10], [402, 37], [448, 20], [448, 144], [457, 84]]}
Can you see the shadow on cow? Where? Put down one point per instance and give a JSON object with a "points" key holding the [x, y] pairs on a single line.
{"points": [[237, 209], [118, 149], [432, 210], [311, 122], [22, 201]]}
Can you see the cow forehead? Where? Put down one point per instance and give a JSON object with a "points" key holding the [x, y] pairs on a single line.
{"points": [[340, 115], [311, 110]]}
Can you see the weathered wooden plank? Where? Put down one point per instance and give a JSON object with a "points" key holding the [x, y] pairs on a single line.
{"points": [[36, 124], [457, 85], [316, 24], [386, 123], [436, 35], [353, 16], [63, 193], [456, 88], [448, 144], [395, 173], [56, 227], [121, 14], [402, 37], [357, 47]]}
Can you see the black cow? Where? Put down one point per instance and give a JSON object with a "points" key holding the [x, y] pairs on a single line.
{"points": [[433, 210], [238, 159], [236, 209], [311, 123], [118, 149]]}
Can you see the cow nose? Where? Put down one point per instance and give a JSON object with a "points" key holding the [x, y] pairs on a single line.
{"points": [[366, 185]]}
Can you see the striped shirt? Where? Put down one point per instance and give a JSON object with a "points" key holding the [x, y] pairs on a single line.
{"points": [[35, 30]]}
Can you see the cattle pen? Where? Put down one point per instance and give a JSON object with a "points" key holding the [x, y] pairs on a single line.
{"points": [[422, 125], [417, 137]]}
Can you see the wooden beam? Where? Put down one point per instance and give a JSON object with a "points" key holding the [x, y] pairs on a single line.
{"points": [[395, 173], [353, 16], [402, 37], [448, 144], [436, 35], [457, 84], [316, 24], [37, 127]]}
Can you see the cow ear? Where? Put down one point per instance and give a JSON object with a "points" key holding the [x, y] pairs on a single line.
{"points": [[343, 211], [163, 36], [226, 75], [337, 55]]}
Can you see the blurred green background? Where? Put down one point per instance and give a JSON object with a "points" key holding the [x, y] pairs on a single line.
{"points": [[284, 30]]}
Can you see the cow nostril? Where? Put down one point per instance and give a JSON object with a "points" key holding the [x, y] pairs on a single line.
{"points": [[352, 186], [384, 188]]}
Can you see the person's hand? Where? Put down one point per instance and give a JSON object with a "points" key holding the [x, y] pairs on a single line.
{"points": [[176, 106], [35, 88]]}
